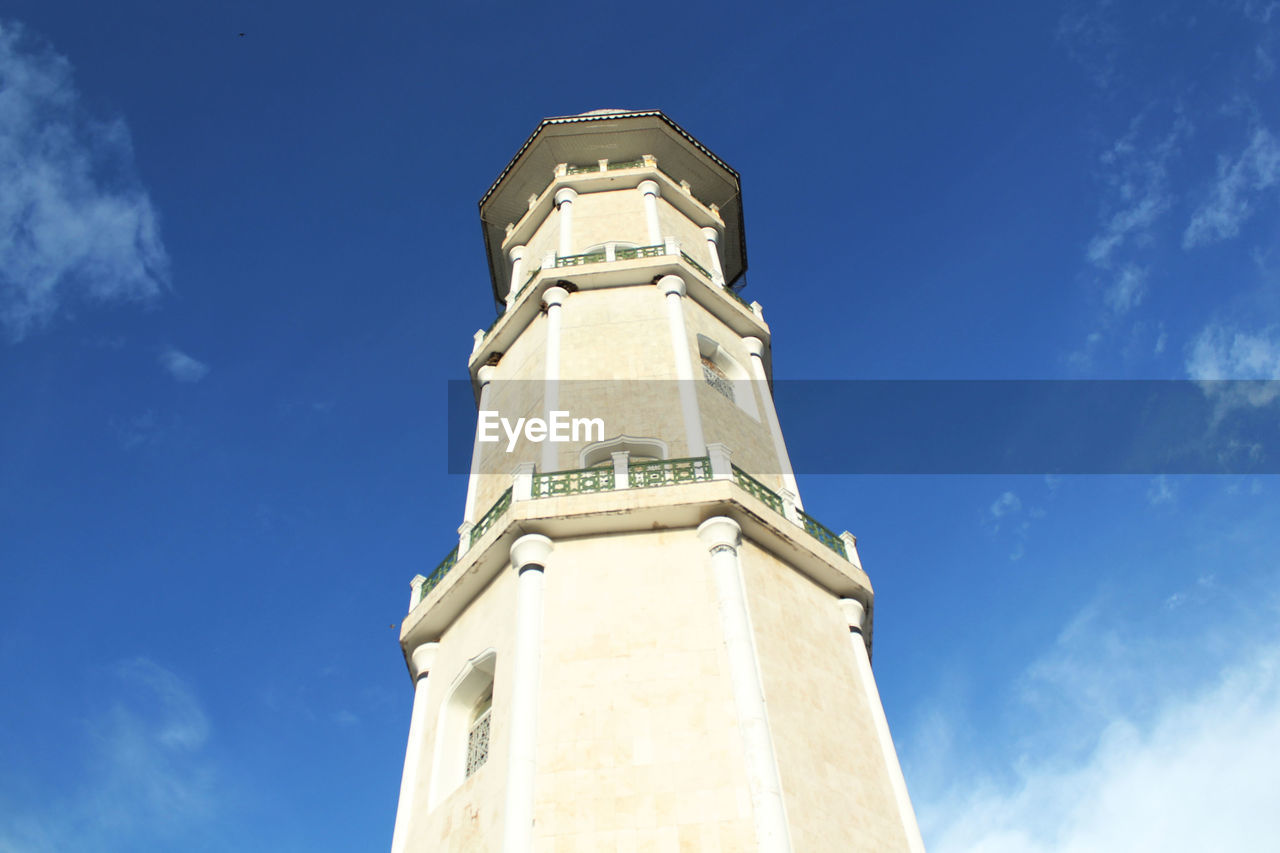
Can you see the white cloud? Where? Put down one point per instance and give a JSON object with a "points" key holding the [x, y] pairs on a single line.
{"points": [[1145, 756], [145, 775], [74, 221], [1127, 291], [1219, 352], [1137, 176], [1160, 491], [1231, 201], [1007, 503], [183, 367]]}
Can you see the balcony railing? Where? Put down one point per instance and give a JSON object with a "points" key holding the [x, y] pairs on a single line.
{"points": [[669, 472], [662, 472], [579, 260], [697, 266], [438, 573], [495, 512], [582, 481], [822, 533], [758, 490], [640, 252]]}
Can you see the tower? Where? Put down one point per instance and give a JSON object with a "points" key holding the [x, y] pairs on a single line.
{"points": [[641, 641]]}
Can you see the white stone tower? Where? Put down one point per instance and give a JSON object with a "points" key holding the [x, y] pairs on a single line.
{"points": [[641, 640]]}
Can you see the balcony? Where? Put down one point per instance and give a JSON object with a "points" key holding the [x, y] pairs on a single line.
{"points": [[537, 486]]}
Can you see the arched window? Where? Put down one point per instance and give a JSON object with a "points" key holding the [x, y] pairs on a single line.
{"points": [[464, 727], [723, 373], [640, 450]]}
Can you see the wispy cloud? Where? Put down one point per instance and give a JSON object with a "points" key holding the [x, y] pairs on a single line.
{"points": [[75, 223], [182, 367], [1233, 197], [1136, 173], [1091, 36], [1222, 352], [145, 778], [1147, 757], [1127, 290], [1007, 503], [1161, 491]]}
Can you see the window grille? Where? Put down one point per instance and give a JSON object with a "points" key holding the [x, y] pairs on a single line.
{"points": [[716, 378], [478, 742]]}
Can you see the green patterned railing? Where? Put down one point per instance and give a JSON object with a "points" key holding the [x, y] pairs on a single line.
{"points": [[438, 573], [528, 281], [822, 533], [744, 303], [758, 489], [579, 260], [629, 164], [580, 170], [555, 483], [640, 252], [669, 472], [697, 266], [495, 512]]}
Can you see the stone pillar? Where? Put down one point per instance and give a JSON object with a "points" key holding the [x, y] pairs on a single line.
{"points": [[855, 615], [713, 247], [517, 273], [553, 298], [723, 536], [672, 287], [650, 191], [529, 559], [485, 375], [564, 202], [756, 348], [420, 663]]}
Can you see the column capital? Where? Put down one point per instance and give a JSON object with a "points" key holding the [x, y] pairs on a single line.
{"points": [[422, 659], [516, 253], [530, 550], [854, 612], [720, 532], [755, 346], [554, 295], [711, 234], [565, 194], [670, 284], [485, 374], [650, 188]]}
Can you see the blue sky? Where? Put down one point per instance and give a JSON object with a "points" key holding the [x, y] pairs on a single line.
{"points": [[236, 274]]}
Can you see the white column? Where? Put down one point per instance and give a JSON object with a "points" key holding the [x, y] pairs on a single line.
{"points": [[756, 348], [855, 615], [529, 559], [517, 273], [721, 463], [713, 247], [650, 191], [672, 288], [564, 201], [553, 298], [621, 469], [485, 375], [420, 663], [723, 536]]}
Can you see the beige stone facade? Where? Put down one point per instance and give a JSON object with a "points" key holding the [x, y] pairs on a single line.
{"points": [[665, 636]]}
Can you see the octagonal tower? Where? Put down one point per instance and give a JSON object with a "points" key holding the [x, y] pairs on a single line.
{"points": [[641, 640]]}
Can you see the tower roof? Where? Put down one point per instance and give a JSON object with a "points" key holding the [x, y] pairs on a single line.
{"points": [[616, 135]]}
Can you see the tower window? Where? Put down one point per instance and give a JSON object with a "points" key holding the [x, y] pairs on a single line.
{"points": [[478, 735], [716, 377]]}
